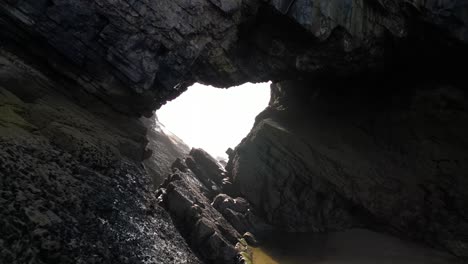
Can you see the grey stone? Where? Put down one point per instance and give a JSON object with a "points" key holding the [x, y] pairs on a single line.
{"points": [[368, 131], [72, 185], [136, 55], [207, 231], [250, 239], [307, 167]]}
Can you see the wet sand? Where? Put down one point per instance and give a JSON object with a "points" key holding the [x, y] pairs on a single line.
{"points": [[356, 246]]}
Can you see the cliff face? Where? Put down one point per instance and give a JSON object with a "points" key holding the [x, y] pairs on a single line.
{"points": [[393, 161], [137, 55], [366, 127], [73, 189]]}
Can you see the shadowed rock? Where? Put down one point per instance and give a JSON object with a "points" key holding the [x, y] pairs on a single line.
{"points": [[212, 227], [137, 55], [385, 161], [206, 230], [72, 186], [366, 126]]}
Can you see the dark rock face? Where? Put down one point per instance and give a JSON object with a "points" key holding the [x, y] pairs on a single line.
{"points": [[277, 180], [208, 170], [330, 159], [133, 55], [186, 198], [239, 213], [366, 126], [205, 228], [137, 55], [212, 226], [72, 186]]}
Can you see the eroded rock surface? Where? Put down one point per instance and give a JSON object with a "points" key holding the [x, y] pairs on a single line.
{"points": [[72, 186], [186, 198], [135, 55], [213, 226], [165, 148], [387, 161], [366, 127], [239, 213]]}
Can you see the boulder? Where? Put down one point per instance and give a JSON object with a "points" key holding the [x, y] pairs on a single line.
{"points": [[206, 169], [240, 214]]}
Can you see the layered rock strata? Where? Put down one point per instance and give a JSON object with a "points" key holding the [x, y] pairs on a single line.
{"points": [[135, 55], [330, 159], [165, 148], [72, 185], [366, 125], [212, 226]]}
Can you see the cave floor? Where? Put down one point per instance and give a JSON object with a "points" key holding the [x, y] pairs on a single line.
{"points": [[356, 246]]}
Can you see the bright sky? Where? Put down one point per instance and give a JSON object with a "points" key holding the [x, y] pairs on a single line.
{"points": [[215, 119]]}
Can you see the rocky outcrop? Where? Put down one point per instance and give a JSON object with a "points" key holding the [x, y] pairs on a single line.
{"points": [[72, 186], [186, 198], [208, 170], [137, 55], [133, 55], [366, 125], [205, 228], [324, 158], [165, 149], [239, 213], [213, 227], [277, 179]]}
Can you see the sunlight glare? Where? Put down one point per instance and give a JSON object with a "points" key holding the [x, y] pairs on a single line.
{"points": [[215, 119]]}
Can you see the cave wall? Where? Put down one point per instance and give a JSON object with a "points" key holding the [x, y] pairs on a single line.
{"points": [[330, 156], [372, 149], [72, 185], [133, 55], [137, 55]]}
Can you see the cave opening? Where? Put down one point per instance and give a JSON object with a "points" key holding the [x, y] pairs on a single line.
{"points": [[215, 119]]}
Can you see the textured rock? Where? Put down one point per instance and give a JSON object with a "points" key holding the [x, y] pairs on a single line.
{"points": [[212, 227], [372, 133], [273, 173], [72, 187], [207, 170], [125, 51], [207, 231], [325, 158], [205, 167], [136, 55], [240, 214], [165, 149]]}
